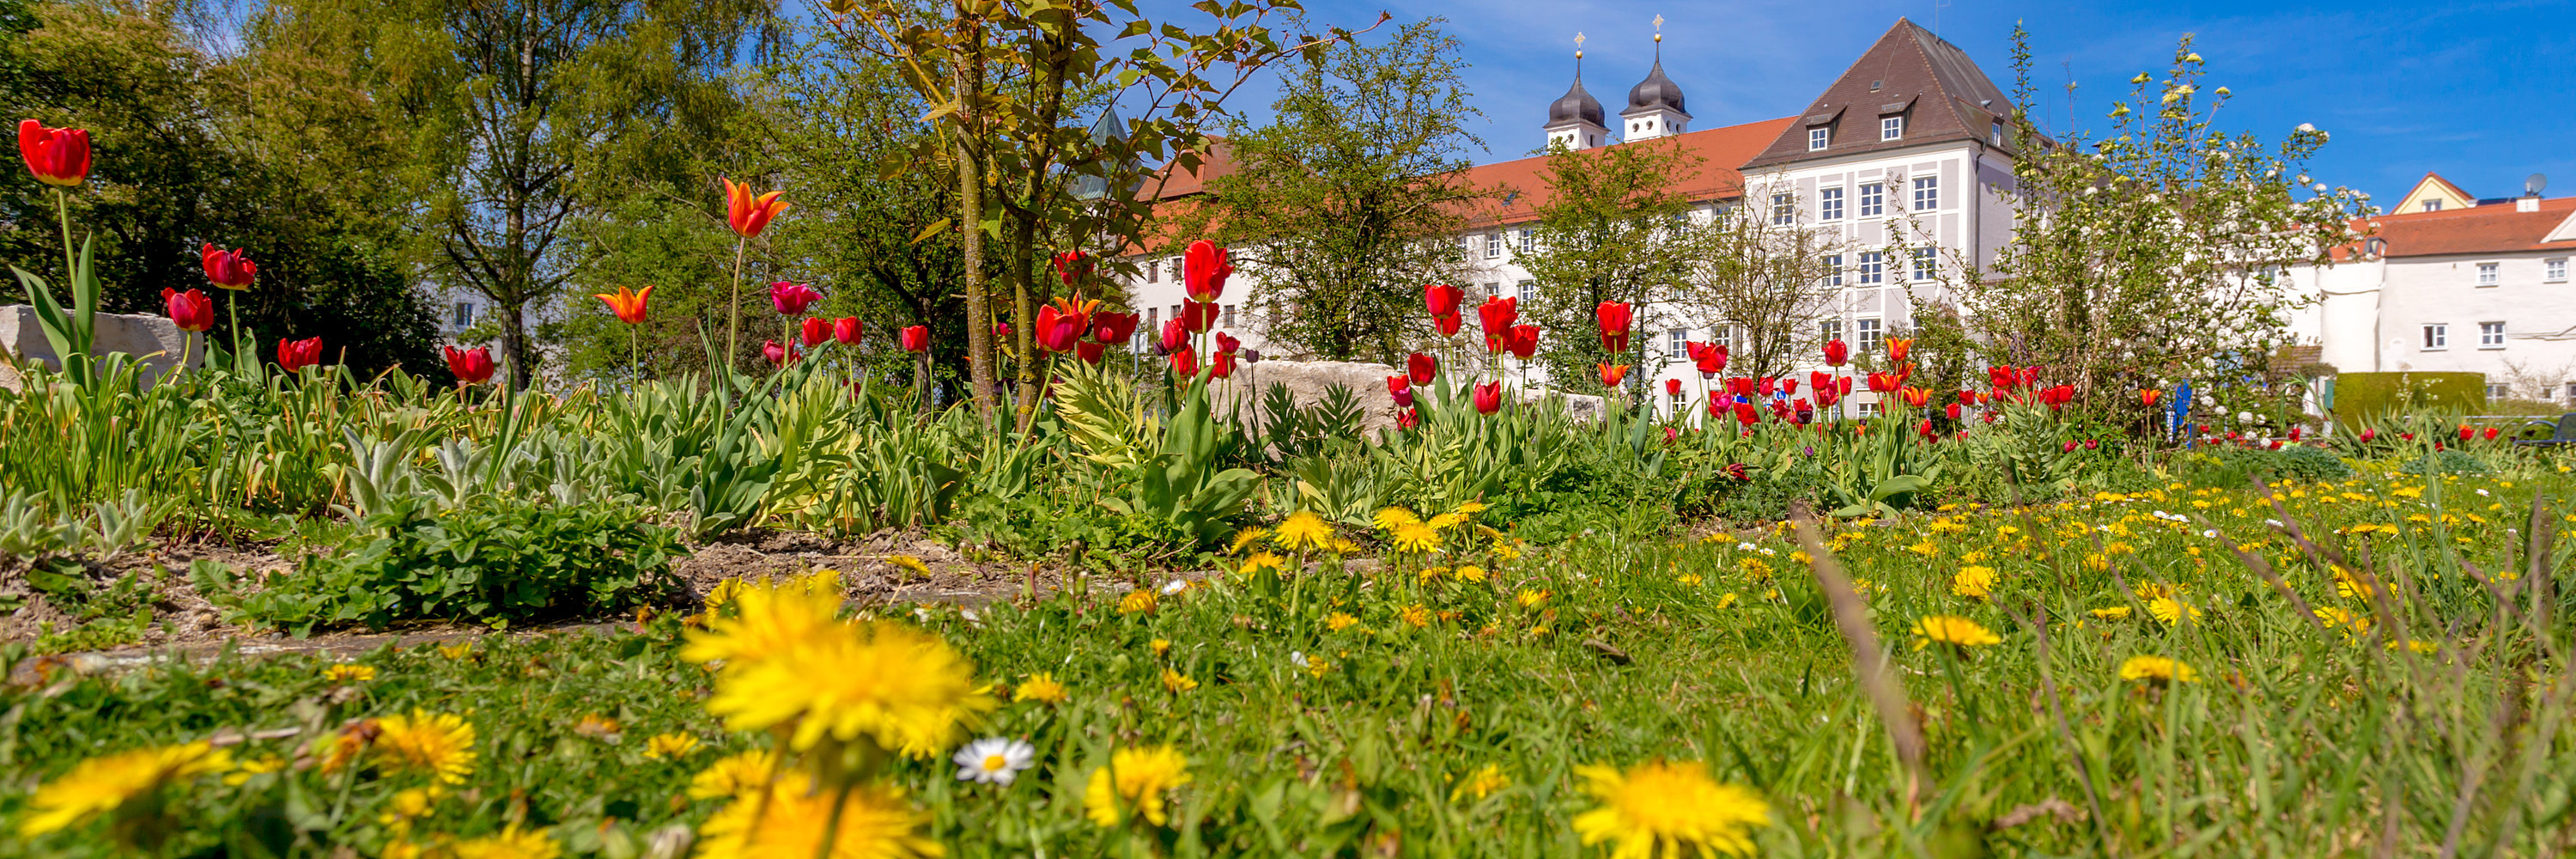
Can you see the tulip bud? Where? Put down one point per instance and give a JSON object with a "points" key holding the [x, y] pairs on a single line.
{"points": [[916, 338], [848, 330]]}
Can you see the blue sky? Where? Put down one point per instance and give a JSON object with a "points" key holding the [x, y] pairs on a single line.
{"points": [[2483, 93]]}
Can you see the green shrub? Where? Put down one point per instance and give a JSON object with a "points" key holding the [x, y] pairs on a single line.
{"points": [[498, 563], [2231, 467], [2365, 397], [2447, 462]]}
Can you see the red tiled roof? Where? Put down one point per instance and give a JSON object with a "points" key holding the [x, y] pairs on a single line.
{"points": [[1523, 187], [2488, 229]]}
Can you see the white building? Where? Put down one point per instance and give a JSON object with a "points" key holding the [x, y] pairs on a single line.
{"points": [[2449, 283], [1903, 156]]}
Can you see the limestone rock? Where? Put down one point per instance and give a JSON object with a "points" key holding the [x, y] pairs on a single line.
{"points": [[1309, 381], [155, 340]]}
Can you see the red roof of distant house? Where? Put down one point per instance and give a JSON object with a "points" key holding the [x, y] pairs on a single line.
{"points": [[2493, 228]]}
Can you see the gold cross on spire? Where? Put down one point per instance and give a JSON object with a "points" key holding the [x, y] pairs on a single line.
{"points": [[1659, 24], [1578, 44]]}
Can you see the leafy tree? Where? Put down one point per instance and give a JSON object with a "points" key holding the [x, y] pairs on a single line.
{"points": [[1612, 227], [262, 149], [1345, 204], [2153, 252], [1763, 282]]}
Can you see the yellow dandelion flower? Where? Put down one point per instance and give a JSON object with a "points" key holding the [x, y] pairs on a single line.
{"points": [[1139, 601], [2157, 670], [1416, 537], [511, 843], [2117, 612], [1042, 688], [794, 819], [1757, 569], [909, 564], [254, 766], [441, 744], [1505, 550], [1688, 579], [1470, 508], [596, 726], [765, 619], [458, 650], [1303, 530], [670, 747], [409, 805], [347, 673], [1415, 615], [1176, 682], [1446, 521], [1134, 783], [1246, 537], [1480, 784], [1669, 809], [1261, 562], [1728, 600], [2348, 587], [1471, 574], [1973, 582], [735, 775], [2418, 645], [2352, 623], [1160, 645], [1340, 620], [103, 784], [1952, 630], [1342, 546], [1925, 548], [2170, 610], [1531, 598], [903, 688], [1393, 517], [2096, 562]]}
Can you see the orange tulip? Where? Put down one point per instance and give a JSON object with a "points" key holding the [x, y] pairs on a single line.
{"points": [[2147, 397], [1612, 374], [627, 304], [1916, 397], [1897, 347], [749, 214]]}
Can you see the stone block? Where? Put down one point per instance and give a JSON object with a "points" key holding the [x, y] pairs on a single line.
{"points": [[1309, 381], [155, 340]]}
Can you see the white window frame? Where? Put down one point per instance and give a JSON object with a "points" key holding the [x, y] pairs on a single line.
{"points": [[1829, 329], [1873, 199], [2437, 336], [1833, 269], [1153, 271], [1225, 316], [1680, 399], [1873, 268], [1926, 265], [1676, 343], [1867, 334], [1494, 245], [1784, 209], [1829, 203], [1528, 291], [2553, 270], [1891, 127], [2499, 391], [2431, 206], [1927, 193], [1527, 241], [2490, 274], [2490, 335], [1818, 137], [1995, 133], [1722, 335], [1867, 408]]}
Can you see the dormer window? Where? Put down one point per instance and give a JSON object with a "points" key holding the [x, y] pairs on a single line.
{"points": [[1816, 138], [1891, 127]]}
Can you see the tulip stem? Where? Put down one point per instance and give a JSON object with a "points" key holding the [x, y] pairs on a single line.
{"points": [[71, 260], [232, 305], [733, 310], [634, 357]]}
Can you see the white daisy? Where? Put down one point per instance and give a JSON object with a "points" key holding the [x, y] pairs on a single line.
{"points": [[1175, 586], [994, 760]]}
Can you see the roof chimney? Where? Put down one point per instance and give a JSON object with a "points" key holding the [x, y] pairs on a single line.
{"points": [[2526, 204]]}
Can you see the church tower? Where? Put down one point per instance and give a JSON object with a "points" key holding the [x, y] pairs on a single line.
{"points": [[1655, 104], [1575, 117]]}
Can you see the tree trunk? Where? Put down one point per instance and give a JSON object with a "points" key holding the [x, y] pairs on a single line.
{"points": [[968, 79]]}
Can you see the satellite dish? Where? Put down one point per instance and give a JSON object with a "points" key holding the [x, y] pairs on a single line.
{"points": [[2531, 186]]}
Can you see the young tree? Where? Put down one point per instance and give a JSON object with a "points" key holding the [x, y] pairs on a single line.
{"points": [[1762, 281], [1612, 227], [1345, 204], [2152, 253]]}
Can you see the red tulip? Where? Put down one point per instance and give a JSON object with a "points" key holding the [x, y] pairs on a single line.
{"points": [[1836, 352], [1421, 368], [2147, 397], [471, 366], [2437, 446], [2492, 432], [1746, 414], [1400, 388], [2056, 397], [1062, 324], [1925, 430], [2069, 448], [1227, 343], [1447, 324], [916, 338], [1175, 336], [1898, 348], [1089, 352], [2368, 434], [1952, 410], [1766, 385], [190, 310], [1001, 329], [1071, 265], [1489, 398], [1406, 419], [58, 156], [1108, 327], [816, 329], [792, 298], [1524, 340], [1221, 365], [227, 269], [848, 329], [1739, 386], [1198, 316], [1716, 408], [2466, 433], [1820, 381], [1184, 364], [1671, 435], [1497, 314], [2296, 432], [627, 304], [2407, 436], [748, 214], [1881, 383], [778, 355], [1204, 272], [1789, 386], [1615, 318], [1442, 299], [1612, 374], [1672, 387], [2276, 444], [293, 355]]}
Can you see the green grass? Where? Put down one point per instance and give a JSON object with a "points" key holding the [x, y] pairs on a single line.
{"points": [[2296, 739]]}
